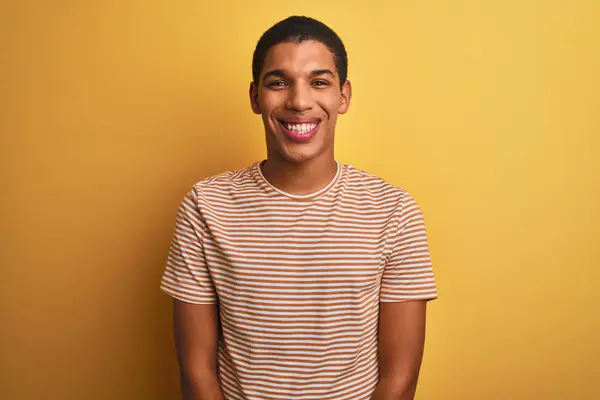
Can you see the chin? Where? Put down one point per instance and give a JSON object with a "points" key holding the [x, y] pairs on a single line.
{"points": [[301, 155], [297, 157]]}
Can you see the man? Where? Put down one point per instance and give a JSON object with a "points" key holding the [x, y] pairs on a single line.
{"points": [[299, 277]]}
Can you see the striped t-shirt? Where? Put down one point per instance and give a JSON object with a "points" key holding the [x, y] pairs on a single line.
{"points": [[298, 278]]}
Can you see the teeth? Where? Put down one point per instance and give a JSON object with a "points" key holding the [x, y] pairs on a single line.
{"points": [[300, 128]]}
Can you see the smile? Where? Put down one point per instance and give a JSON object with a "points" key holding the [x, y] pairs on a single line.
{"points": [[300, 131]]}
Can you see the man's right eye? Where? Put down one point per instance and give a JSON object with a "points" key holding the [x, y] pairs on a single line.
{"points": [[276, 84]]}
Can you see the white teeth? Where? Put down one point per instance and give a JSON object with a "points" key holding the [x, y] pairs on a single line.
{"points": [[300, 128]]}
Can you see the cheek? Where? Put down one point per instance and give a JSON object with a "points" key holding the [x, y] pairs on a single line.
{"points": [[269, 101], [331, 105], [332, 114]]}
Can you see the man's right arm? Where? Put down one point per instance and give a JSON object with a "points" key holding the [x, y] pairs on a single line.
{"points": [[196, 329]]}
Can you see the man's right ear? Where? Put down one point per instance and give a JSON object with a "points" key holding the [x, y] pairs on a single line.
{"points": [[254, 98]]}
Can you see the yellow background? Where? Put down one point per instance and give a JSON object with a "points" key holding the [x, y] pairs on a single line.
{"points": [[487, 111]]}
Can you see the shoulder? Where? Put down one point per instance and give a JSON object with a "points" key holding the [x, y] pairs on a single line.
{"points": [[372, 185], [384, 196], [224, 182], [376, 192], [224, 190]]}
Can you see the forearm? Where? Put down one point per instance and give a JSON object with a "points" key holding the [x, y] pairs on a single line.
{"points": [[196, 340], [401, 343], [201, 387], [388, 389]]}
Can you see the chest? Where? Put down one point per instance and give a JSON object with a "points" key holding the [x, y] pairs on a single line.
{"points": [[310, 257]]}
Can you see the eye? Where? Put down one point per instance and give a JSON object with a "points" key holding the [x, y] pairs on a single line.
{"points": [[320, 82], [275, 84]]}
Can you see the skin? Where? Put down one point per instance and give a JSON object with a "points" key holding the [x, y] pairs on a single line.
{"points": [[196, 328], [401, 343], [294, 85], [300, 82]]}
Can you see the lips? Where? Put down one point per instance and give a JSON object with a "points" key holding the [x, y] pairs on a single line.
{"points": [[300, 131]]}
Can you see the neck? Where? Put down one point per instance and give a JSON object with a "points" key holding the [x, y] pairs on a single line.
{"points": [[300, 178]]}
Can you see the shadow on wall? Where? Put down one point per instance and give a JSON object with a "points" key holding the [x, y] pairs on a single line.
{"points": [[213, 145], [133, 351]]}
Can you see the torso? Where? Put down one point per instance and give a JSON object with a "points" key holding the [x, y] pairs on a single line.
{"points": [[298, 281]]}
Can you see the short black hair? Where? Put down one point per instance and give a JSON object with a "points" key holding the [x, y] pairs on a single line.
{"points": [[298, 29]]}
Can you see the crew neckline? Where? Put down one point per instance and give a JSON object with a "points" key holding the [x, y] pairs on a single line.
{"points": [[309, 196]]}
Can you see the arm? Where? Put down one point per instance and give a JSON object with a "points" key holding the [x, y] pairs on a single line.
{"points": [[196, 337], [401, 341]]}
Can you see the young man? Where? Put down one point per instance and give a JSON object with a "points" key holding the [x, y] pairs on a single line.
{"points": [[299, 277]]}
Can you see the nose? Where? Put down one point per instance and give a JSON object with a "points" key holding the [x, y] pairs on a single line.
{"points": [[299, 98]]}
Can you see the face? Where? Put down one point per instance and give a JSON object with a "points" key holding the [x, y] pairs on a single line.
{"points": [[299, 97]]}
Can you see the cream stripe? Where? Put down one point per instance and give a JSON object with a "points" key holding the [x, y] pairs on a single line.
{"points": [[299, 279]]}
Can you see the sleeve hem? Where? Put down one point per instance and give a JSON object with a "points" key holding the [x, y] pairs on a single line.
{"points": [[404, 300], [186, 299]]}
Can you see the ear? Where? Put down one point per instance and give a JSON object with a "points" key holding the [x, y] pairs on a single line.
{"points": [[254, 98], [346, 96]]}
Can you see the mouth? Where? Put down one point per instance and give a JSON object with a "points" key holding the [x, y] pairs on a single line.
{"points": [[300, 131]]}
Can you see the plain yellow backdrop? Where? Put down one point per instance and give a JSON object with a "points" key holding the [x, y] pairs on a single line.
{"points": [[487, 111]]}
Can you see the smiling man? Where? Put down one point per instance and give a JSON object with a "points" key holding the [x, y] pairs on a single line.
{"points": [[299, 277]]}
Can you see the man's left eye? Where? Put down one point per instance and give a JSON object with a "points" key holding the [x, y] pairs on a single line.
{"points": [[320, 83]]}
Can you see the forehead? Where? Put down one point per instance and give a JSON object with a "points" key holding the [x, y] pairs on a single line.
{"points": [[299, 58]]}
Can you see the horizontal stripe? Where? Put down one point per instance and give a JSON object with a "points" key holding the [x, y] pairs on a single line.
{"points": [[298, 280]]}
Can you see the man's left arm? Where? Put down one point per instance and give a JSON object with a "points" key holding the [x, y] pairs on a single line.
{"points": [[401, 342], [407, 285]]}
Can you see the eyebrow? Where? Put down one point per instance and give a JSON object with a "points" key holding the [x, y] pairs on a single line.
{"points": [[278, 73]]}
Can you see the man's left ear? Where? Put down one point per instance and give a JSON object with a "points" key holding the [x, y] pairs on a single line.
{"points": [[346, 96]]}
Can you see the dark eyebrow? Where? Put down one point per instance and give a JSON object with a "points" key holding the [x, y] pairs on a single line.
{"points": [[318, 72], [278, 73]]}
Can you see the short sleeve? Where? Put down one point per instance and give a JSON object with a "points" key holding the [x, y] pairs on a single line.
{"points": [[408, 273], [186, 276]]}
